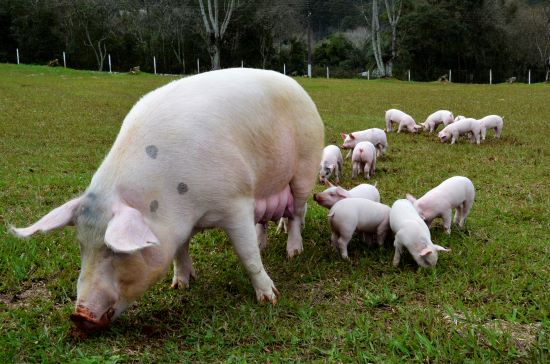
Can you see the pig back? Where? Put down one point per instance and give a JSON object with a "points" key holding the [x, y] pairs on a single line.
{"points": [[212, 137]]}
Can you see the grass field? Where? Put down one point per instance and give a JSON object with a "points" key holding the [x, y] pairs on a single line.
{"points": [[486, 301]]}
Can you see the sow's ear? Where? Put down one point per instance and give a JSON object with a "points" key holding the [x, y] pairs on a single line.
{"points": [[127, 231], [58, 217]]}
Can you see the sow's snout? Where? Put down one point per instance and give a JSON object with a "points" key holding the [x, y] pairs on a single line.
{"points": [[86, 320]]}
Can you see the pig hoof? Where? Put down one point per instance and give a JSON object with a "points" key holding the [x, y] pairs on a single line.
{"points": [[183, 281], [268, 297], [294, 252]]}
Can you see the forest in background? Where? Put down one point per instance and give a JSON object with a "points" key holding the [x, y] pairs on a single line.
{"points": [[386, 37]]}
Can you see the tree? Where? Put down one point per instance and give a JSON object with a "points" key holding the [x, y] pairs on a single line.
{"points": [[375, 35], [393, 8], [214, 30]]}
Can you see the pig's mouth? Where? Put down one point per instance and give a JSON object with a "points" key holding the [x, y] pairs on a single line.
{"points": [[87, 321]]}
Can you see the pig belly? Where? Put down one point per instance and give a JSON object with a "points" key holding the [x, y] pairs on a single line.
{"points": [[273, 207]]}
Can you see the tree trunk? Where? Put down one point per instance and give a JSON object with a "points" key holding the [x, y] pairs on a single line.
{"points": [[393, 18], [376, 39]]}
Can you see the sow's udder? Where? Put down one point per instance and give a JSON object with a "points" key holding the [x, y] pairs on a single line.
{"points": [[274, 207]]}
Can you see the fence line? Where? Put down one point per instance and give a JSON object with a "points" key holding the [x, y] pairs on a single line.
{"points": [[366, 74]]}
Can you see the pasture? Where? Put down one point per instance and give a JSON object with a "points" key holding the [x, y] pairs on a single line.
{"points": [[488, 300]]}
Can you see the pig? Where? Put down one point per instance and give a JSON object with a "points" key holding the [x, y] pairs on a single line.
{"points": [[460, 117], [412, 233], [363, 158], [464, 126], [405, 121], [333, 194], [444, 117], [194, 154], [457, 192], [374, 135], [494, 122], [331, 162], [357, 214]]}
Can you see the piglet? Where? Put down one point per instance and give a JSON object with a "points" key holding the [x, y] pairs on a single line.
{"points": [[454, 193], [331, 162], [357, 214], [444, 117], [464, 126], [363, 158], [374, 135], [333, 194], [494, 122], [405, 121], [412, 233]]}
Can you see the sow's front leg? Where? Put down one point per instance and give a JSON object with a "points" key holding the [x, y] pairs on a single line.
{"points": [[242, 231], [183, 266], [301, 186]]}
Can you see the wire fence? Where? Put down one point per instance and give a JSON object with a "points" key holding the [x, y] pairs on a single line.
{"points": [[487, 76]]}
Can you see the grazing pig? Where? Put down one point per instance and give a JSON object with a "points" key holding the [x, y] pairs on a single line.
{"points": [[405, 121], [357, 214], [412, 233], [464, 126], [374, 135], [444, 117], [363, 158], [494, 122], [194, 154], [454, 193], [333, 194], [331, 162]]}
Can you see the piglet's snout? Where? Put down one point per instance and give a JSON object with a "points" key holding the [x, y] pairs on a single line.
{"points": [[86, 320]]}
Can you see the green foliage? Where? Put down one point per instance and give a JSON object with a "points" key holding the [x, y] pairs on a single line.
{"points": [[486, 301]]}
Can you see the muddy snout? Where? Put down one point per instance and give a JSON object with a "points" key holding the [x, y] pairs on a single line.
{"points": [[315, 197], [87, 321]]}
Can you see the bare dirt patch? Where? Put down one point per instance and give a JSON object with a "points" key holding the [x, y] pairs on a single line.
{"points": [[25, 298], [524, 336]]}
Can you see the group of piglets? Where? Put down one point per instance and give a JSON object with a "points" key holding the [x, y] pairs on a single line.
{"points": [[453, 127], [359, 210], [364, 147]]}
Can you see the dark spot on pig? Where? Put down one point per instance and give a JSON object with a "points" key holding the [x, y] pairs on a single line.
{"points": [[152, 151], [92, 196], [182, 188], [154, 206]]}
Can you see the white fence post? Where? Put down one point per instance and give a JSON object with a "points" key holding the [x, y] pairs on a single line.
{"points": [[110, 71], [284, 69], [529, 77], [64, 60], [368, 75], [154, 65], [328, 75], [242, 64], [17, 51], [409, 75], [309, 70], [450, 76], [490, 76], [198, 66]]}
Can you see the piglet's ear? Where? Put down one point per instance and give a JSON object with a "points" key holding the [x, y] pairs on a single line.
{"points": [[441, 249], [411, 198], [426, 251], [343, 136], [341, 192], [351, 136], [58, 217], [127, 231]]}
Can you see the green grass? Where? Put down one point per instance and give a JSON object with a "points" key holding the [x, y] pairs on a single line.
{"points": [[486, 301]]}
